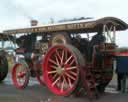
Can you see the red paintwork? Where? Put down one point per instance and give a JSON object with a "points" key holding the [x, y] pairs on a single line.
{"points": [[22, 75], [49, 78]]}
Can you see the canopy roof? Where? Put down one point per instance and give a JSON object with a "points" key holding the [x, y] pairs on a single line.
{"points": [[4, 37], [79, 27]]}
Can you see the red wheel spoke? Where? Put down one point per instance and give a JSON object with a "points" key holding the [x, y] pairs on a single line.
{"points": [[70, 68], [54, 76], [69, 82], [62, 58], [62, 86], [65, 79], [72, 62], [52, 66], [58, 54], [68, 59], [73, 73], [57, 61], [52, 72], [66, 83], [71, 77], [52, 61], [55, 81]]}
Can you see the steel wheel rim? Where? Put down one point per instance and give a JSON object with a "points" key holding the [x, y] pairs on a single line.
{"points": [[20, 76], [61, 70]]}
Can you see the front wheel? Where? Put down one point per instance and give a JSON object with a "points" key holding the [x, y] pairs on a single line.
{"points": [[20, 76]]}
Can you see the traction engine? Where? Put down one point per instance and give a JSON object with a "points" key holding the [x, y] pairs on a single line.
{"points": [[70, 57]]}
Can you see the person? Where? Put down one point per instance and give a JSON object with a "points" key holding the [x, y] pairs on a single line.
{"points": [[120, 75], [97, 39], [119, 80]]}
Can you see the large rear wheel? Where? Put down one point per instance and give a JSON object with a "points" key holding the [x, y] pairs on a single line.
{"points": [[61, 70]]}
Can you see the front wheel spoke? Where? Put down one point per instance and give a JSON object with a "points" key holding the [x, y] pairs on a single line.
{"points": [[54, 76], [69, 82], [72, 62], [58, 54], [62, 58], [73, 73], [52, 61], [20, 69], [55, 81], [65, 79], [68, 59], [70, 68], [52, 66], [51, 72], [66, 82], [62, 86], [71, 77], [57, 60]]}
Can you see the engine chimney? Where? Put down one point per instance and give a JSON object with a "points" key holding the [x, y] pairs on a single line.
{"points": [[34, 22]]}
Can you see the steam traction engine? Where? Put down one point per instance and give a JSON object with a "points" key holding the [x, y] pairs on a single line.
{"points": [[71, 57], [4, 55]]}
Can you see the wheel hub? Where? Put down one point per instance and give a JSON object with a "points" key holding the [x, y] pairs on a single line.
{"points": [[60, 70], [21, 74]]}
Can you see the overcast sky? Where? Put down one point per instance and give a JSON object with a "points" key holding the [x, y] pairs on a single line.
{"points": [[18, 13]]}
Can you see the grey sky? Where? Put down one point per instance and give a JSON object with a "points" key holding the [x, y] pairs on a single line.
{"points": [[17, 13]]}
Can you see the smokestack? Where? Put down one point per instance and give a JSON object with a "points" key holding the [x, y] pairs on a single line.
{"points": [[34, 22]]}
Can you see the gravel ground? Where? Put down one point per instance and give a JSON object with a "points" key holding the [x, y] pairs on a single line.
{"points": [[37, 93]]}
